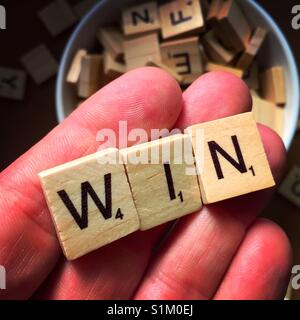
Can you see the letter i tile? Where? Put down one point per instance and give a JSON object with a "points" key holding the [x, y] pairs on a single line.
{"points": [[163, 179]]}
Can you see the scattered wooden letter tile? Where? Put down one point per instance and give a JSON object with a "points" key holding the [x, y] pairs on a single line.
{"points": [[57, 17], [214, 9], [139, 50], [218, 67], [83, 7], [75, 69], [112, 68], [112, 40], [215, 49], [181, 16], [40, 64], [184, 57], [205, 7], [203, 54], [91, 75], [252, 78], [290, 188], [12, 83], [272, 82], [268, 114], [168, 188], [234, 160], [252, 49], [175, 75], [214, 23], [235, 24], [141, 18], [90, 202]]}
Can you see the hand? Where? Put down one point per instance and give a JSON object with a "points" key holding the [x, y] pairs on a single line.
{"points": [[222, 252]]}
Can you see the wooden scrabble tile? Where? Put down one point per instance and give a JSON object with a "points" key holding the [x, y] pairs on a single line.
{"points": [[57, 17], [218, 67], [75, 69], [290, 188], [254, 93], [175, 75], [112, 40], [163, 180], [112, 68], [216, 51], [212, 20], [205, 7], [40, 64], [230, 158], [91, 75], [233, 21], [180, 16], [139, 50], [184, 57], [203, 54], [252, 48], [214, 9], [90, 202], [83, 7], [268, 114], [272, 83], [12, 83], [141, 18], [252, 79]]}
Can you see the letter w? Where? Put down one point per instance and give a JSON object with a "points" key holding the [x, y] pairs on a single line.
{"points": [[87, 190], [239, 165]]}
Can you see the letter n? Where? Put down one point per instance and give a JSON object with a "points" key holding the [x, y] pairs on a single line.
{"points": [[214, 149], [144, 17]]}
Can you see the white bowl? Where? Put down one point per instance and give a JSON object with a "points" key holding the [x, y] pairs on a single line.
{"points": [[276, 49]]}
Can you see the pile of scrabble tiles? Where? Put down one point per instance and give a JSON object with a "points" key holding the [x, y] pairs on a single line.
{"points": [[186, 38], [105, 196]]}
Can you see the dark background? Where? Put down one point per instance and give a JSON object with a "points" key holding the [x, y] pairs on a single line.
{"points": [[22, 124]]}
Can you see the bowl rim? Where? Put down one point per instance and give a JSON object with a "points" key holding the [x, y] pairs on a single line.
{"points": [[60, 113], [63, 62], [292, 66]]}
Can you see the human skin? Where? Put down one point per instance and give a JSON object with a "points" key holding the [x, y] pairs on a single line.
{"points": [[223, 251]]}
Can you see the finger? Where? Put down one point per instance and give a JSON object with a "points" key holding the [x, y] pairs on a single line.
{"points": [[203, 244], [112, 272], [223, 95], [146, 98], [260, 268]]}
